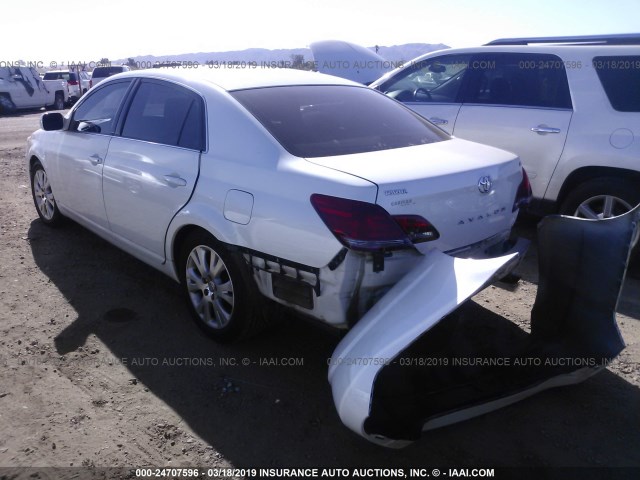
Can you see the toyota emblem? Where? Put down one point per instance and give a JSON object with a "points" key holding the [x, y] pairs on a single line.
{"points": [[484, 184]]}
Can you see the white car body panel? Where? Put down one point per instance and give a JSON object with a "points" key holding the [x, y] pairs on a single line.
{"points": [[418, 184], [144, 186], [436, 286], [78, 174], [509, 128]]}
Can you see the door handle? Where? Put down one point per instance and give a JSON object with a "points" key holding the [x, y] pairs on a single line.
{"points": [[438, 121], [542, 129], [175, 181], [95, 159]]}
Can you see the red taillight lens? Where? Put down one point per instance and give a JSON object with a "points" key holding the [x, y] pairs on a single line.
{"points": [[359, 225], [72, 82], [417, 228], [369, 227], [523, 196], [90, 83]]}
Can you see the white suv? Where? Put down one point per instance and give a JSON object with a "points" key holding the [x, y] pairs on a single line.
{"points": [[568, 106]]}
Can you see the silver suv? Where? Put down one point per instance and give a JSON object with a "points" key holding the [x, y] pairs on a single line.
{"points": [[568, 106]]}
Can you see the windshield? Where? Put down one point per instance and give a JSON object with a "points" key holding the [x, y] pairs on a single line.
{"points": [[326, 120]]}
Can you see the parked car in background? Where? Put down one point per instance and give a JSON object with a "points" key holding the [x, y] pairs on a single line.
{"points": [[77, 82], [100, 73], [568, 106], [311, 191], [22, 88]]}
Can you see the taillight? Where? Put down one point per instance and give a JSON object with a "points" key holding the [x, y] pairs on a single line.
{"points": [[90, 83], [369, 227], [72, 82], [523, 196], [417, 228]]}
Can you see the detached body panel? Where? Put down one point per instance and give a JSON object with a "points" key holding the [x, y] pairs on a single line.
{"points": [[413, 364]]}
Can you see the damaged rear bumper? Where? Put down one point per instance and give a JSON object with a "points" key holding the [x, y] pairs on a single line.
{"points": [[410, 364]]}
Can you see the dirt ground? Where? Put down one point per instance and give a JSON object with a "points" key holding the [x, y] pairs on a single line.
{"points": [[100, 366]]}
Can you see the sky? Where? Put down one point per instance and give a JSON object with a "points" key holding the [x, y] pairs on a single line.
{"points": [[46, 31]]}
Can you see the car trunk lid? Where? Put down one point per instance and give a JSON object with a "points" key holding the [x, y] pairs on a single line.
{"points": [[465, 190]]}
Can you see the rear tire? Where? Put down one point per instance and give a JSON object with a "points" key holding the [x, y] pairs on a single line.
{"points": [[604, 198], [43, 197], [601, 198], [221, 296]]}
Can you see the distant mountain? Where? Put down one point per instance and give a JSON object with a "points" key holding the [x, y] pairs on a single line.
{"points": [[280, 57]]}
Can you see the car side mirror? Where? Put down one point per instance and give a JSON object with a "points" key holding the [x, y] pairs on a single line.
{"points": [[52, 121]]}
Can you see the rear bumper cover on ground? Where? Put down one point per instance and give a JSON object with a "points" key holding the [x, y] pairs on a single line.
{"points": [[416, 361]]}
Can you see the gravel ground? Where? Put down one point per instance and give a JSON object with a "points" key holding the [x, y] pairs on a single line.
{"points": [[101, 367]]}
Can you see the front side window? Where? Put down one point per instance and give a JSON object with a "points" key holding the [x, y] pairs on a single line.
{"points": [[620, 78], [524, 80], [96, 114], [433, 80], [167, 114], [325, 120]]}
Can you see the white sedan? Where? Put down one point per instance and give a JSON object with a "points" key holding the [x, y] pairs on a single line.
{"points": [[309, 190]]}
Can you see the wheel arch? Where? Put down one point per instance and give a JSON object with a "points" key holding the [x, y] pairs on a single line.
{"points": [[585, 174], [33, 160], [184, 224]]}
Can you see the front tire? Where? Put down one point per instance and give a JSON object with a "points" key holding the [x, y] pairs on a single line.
{"points": [[43, 197], [220, 294]]}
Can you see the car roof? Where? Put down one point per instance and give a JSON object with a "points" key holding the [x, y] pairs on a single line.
{"points": [[535, 48], [239, 78]]}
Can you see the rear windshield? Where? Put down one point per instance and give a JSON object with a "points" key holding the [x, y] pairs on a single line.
{"points": [[59, 76], [106, 71], [325, 120]]}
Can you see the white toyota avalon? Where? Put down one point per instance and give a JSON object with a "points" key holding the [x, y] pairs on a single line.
{"points": [[312, 191]]}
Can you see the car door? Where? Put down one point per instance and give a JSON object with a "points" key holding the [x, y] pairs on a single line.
{"points": [[432, 88], [152, 167], [81, 150], [18, 89], [518, 102]]}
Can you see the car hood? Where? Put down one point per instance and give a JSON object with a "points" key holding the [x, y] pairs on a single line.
{"points": [[348, 60]]}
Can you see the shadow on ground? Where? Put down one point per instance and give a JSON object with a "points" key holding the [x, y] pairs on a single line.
{"points": [[284, 415]]}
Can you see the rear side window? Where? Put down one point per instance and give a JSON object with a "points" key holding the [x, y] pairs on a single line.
{"points": [[96, 114], [326, 120], [514, 79], [620, 78], [59, 76], [167, 114]]}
